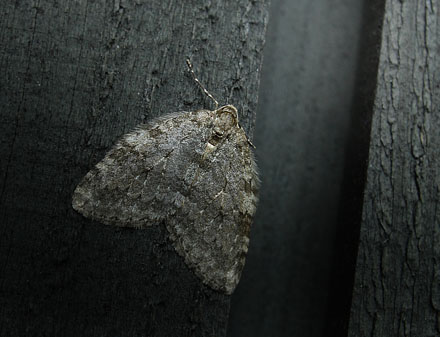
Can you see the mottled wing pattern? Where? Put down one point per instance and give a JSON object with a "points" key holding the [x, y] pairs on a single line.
{"points": [[127, 188], [211, 226], [162, 172]]}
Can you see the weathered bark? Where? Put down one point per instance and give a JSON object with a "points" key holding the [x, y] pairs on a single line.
{"points": [[74, 77], [397, 283]]}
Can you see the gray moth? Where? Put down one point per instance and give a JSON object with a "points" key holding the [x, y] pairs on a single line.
{"points": [[195, 173]]}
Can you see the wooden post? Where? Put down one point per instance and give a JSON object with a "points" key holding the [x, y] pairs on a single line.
{"points": [[76, 75], [397, 283]]}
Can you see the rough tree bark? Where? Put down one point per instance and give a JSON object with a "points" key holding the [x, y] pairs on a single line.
{"points": [[76, 75], [397, 283]]}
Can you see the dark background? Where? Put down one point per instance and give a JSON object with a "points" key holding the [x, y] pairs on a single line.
{"points": [[319, 57]]}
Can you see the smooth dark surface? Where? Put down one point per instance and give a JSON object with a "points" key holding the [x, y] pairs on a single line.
{"points": [[355, 171], [397, 284], [305, 110], [74, 76]]}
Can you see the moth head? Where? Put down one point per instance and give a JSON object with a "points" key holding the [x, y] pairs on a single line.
{"points": [[226, 118]]}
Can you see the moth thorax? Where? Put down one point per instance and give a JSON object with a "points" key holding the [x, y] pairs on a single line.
{"points": [[226, 119]]}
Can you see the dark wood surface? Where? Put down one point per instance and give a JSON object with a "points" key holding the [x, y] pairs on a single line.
{"points": [[74, 77], [397, 283]]}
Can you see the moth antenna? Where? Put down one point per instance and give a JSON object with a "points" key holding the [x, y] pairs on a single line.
{"points": [[190, 67]]}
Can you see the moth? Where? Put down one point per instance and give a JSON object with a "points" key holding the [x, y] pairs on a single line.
{"points": [[193, 172]]}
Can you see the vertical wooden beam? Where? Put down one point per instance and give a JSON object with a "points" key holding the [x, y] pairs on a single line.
{"points": [[397, 284], [74, 76]]}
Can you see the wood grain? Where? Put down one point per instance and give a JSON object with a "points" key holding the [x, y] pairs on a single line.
{"points": [[397, 285], [74, 76]]}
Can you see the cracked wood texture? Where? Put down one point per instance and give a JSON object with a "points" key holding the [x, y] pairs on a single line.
{"points": [[75, 76], [397, 282]]}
